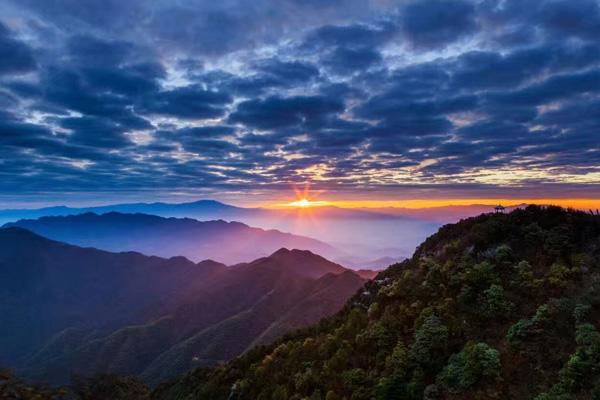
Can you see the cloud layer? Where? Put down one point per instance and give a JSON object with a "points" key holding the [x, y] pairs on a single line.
{"points": [[352, 96]]}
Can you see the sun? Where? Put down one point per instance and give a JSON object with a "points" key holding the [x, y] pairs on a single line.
{"points": [[305, 203], [305, 198]]}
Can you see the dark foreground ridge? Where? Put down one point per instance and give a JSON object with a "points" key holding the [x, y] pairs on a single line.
{"points": [[502, 306], [496, 306]]}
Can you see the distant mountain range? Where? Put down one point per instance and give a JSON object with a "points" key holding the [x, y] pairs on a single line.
{"points": [[227, 242], [202, 209], [361, 235], [70, 310], [212, 209]]}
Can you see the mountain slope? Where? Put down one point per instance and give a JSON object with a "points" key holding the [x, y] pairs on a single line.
{"points": [[68, 310], [494, 307], [215, 319], [48, 286], [227, 242], [286, 307]]}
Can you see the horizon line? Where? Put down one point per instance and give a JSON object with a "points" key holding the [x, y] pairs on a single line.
{"points": [[577, 203]]}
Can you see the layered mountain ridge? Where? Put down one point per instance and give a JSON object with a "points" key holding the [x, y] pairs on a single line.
{"points": [[227, 242], [69, 310], [360, 235]]}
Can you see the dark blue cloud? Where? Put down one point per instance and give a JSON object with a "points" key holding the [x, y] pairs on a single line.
{"points": [[201, 140], [91, 50], [115, 95], [96, 132], [278, 112], [189, 102], [270, 74], [420, 81], [16, 132], [69, 89], [19, 138], [558, 19], [288, 71], [436, 23], [414, 117], [574, 18], [71, 14], [206, 131], [354, 35], [347, 60], [16, 57], [8, 100], [207, 31], [554, 88], [131, 80]]}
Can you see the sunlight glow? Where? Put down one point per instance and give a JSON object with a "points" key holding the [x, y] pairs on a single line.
{"points": [[305, 203], [302, 202]]}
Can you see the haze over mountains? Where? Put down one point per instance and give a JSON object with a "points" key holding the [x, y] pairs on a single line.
{"points": [[363, 236], [212, 209], [227, 242], [443, 214], [66, 309]]}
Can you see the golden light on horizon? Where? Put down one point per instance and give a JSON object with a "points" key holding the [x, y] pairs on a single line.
{"points": [[304, 198], [305, 203], [578, 203], [300, 203]]}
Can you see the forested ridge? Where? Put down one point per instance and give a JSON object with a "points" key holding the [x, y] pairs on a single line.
{"points": [[497, 306], [500, 306]]}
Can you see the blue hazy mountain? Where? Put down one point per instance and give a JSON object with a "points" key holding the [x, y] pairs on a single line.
{"points": [[361, 235], [227, 242], [201, 209]]}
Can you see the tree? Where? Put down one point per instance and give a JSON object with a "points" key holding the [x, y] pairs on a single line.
{"points": [[476, 363], [431, 341], [496, 304], [585, 362], [397, 362]]}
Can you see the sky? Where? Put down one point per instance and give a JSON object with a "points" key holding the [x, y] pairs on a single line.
{"points": [[245, 101]]}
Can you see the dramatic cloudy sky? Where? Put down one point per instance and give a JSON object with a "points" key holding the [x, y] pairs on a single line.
{"points": [[361, 98]]}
